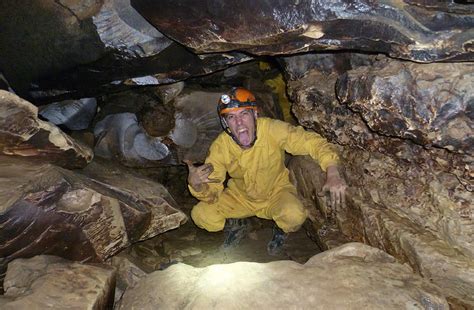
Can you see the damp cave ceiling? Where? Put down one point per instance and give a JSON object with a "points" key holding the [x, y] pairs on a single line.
{"points": [[51, 50]]}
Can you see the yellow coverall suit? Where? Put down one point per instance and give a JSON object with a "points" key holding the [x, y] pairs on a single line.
{"points": [[259, 182]]}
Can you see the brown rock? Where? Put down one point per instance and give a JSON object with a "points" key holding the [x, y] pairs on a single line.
{"points": [[428, 104], [49, 282], [23, 134], [406, 195], [413, 31], [353, 276], [128, 275], [48, 210]]}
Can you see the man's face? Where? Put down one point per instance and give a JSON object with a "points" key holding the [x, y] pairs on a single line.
{"points": [[242, 125]]}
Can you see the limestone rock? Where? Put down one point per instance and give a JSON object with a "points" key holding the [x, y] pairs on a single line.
{"points": [[170, 91], [353, 276], [88, 48], [86, 217], [24, 134], [430, 104], [49, 282], [128, 275], [73, 114], [196, 123], [410, 194], [411, 30], [331, 228]]}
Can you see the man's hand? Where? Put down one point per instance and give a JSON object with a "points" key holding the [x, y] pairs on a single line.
{"points": [[336, 186], [198, 177]]}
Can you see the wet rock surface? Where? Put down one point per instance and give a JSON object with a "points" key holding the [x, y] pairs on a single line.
{"points": [[352, 276], [431, 104], [409, 30], [86, 217], [23, 134], [50, 282], [84, 49], [410, 187]]}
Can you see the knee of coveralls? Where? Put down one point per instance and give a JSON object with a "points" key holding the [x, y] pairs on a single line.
{"points": [[211, 217], [288, 212], [207, 217]]}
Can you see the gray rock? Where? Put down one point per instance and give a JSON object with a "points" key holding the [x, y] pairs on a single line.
{"points": [[120, 136], [74, 114]]}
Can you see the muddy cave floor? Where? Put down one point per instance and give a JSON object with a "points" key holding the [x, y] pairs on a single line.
{"points": [[196, 247]]}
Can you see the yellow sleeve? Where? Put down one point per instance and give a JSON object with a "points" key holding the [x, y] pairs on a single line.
{"points": [[298, 141], [216, 157]]}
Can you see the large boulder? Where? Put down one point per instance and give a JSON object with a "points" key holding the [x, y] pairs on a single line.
{"points": [[430, 104], [90, 216], [22, 133], [354, 276], [50, 282]]}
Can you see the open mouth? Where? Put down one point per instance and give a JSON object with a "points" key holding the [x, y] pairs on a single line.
{"points": [[243, 136]]}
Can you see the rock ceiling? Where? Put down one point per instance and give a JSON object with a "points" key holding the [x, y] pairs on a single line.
{"points": [[389, 82]]}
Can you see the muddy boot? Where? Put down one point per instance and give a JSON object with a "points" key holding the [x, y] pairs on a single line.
{"points": [[275, 246], [235, 230]]}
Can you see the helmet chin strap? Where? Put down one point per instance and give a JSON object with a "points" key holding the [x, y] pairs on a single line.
{"points": [[229, 132]]}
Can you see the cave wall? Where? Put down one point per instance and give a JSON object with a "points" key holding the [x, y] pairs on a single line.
{"points": [[405, 132], [389, 82]]}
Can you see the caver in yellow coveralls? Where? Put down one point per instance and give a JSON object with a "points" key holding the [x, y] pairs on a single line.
{"points": [[259, 184]]}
